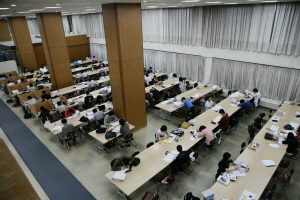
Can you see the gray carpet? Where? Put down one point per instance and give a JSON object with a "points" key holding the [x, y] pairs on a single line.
{"points": [[54, 178]]}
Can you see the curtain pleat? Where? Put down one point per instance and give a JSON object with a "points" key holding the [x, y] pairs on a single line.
{"points": [[99, 50], [33, 26]]}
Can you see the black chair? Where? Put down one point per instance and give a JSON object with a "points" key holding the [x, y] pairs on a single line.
{"points": [[243, 145], [283, 179], [149, 144], [268, 193]]}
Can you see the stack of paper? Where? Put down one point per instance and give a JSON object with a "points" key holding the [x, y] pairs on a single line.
{"points": [[223, 180], [54, 91], [274, 128], [117, 129], [232, 104], [193, 138], [57, 128], [217, 119], [214, 87], [119, 176], [192, 121], [216, 107], [169, 158], [295, 125], [177, 104], [274, 145], [115, 123], [247, 195], [208, 194], [231, 177], [268, 163], [238, 173]]}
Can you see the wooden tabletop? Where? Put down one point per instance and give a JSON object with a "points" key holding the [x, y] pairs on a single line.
{"points": [[170, 82]]}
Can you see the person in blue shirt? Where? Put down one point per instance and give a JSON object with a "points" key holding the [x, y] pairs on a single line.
{"points": [[189, 106], [75, 63], [246, 105]]}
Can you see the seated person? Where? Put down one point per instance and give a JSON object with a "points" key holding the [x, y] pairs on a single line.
{"points": [[154, 80], [121, 163], [91, 84], [94, 59], [31, 101], [225, 162], [124, 130], [11, 76], [9, 83], [44, 69], [75, 64], [98, 115], [189, 106], [149, 71], [246, 105], [168, 95], [67, 128], [162, 133], [60, 107], [256, 96], [148, 79], [88, 100], [2, 77], [292, 143], [83, 75], [182, 158], [209, 103], [207, 135], [109, 118], [31, 88], [69, 112], [25, 70], [88, 58], [224, 121], [45, 96], [45, 114], [22, 80]]}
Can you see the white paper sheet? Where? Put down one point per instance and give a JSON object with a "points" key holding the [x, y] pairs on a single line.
{"points": [[193, 138], [217, 119], [274, 128], [274, 145], [169, 158], [216, 107], [295, 125], [57, 128], [247, 195], [115, 123], [233, 105], [238, 173]]}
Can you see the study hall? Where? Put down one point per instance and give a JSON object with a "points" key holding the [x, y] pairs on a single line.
{"points": [[131, 99]]}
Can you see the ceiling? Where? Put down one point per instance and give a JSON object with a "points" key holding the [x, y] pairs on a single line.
{"points": [[68, 7]]}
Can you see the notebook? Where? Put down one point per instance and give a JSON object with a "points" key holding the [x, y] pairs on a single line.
{"points": [[268, 163]]}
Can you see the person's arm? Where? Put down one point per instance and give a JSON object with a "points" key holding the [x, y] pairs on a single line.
{"points": [[115, 119], [200, 134], [221, 120], [106, 122], [117, 166]]}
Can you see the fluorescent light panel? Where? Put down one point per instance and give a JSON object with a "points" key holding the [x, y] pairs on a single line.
{"points": [[4, 8], [52, 7]]}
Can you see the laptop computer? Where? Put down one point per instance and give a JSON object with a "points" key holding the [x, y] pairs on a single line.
{"points": [[102, 108]]}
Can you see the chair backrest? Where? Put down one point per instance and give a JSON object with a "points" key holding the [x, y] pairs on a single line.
{"points": [[291, 172], [243, 145], [129, 136], [195, 85], [135, 153], [71, 134], [149, 144], [229, 93], [112, 162]]}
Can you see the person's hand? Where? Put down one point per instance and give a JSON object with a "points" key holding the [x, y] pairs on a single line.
{"points": [[123, 167], [276, 142]]}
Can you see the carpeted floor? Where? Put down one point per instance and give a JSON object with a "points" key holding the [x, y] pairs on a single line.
{"points": [[54, 178]]}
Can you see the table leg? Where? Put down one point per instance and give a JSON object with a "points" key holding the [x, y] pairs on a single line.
{"points": [[103, 149], [122, 194], [57, 139], [165, 116]]}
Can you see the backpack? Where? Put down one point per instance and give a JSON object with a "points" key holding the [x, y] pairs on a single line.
{"points": [[136, 162], [84, 119], [288, 127], [190, 196], [110, 134]]}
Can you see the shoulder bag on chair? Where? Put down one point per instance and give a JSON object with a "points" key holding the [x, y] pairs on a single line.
{"points": [[268, 136], [110, 134]]}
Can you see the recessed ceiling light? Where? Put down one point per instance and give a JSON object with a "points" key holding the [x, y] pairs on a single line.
{"points": [[37, 10], [188, 1], [214, 2], [13, 5], [87, 7], [172, 6], [269, 1], [144, 1], [25, 12], [90, 9], [230, 3], [4, 8], [51, 7], [253, 0], [152, 6], [4, 15], [57, 4]]}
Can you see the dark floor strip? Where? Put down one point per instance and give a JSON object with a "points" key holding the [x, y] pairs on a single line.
{"points": [[54, 178]]}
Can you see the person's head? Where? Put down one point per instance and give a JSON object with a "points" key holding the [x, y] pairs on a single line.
{"points": [[226, 156], [29, 97], [42, 108], [30, 84], [59, 103], [111, 113], [22, 80], [94, 110], [122, 122], [150, 67], [87, 92], [209, 98], [163, 128], [222, 111], [290, 136], [201, 128], [71, 111], [43, 65], [88, 56], [255, 90], [180, 79], [9, 74], [73, 60], [147, 75], [43, 92], [63, 121], [93, 56], [125, 161], [182, 99], [179, 148], [8, 81], [242, 101]]}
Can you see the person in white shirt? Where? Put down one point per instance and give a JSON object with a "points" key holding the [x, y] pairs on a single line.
{"points": [[60, 107], [31, 88], [172, 75], [162, 133], [147, 79], [91, 84], [257, 96], [84, 75], [88, 58], [9, 83], [209, 103], [44, 69], [182, 85]]}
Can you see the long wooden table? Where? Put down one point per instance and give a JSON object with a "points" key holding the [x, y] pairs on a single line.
{"points": [[259, 176], [152, 157], [168, 83]]}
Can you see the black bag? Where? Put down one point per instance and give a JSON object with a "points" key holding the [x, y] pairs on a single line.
{"points": [[84, 119], [101, 130], [288, 127], [110, 134], [268, 136], [9, 101], [40, 87], [179, 132], [136, 162], [27, 115], [190, 196]]}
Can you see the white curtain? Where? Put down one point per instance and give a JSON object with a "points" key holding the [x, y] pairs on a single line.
{"points": [[189, 66], [33, 26], [66, 24], [271, 28], [94, 25], [273, 82], [99, 50], [79, 24]]}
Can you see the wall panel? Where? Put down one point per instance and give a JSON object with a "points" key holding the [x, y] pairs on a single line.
{"points": [[4, 33]]}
